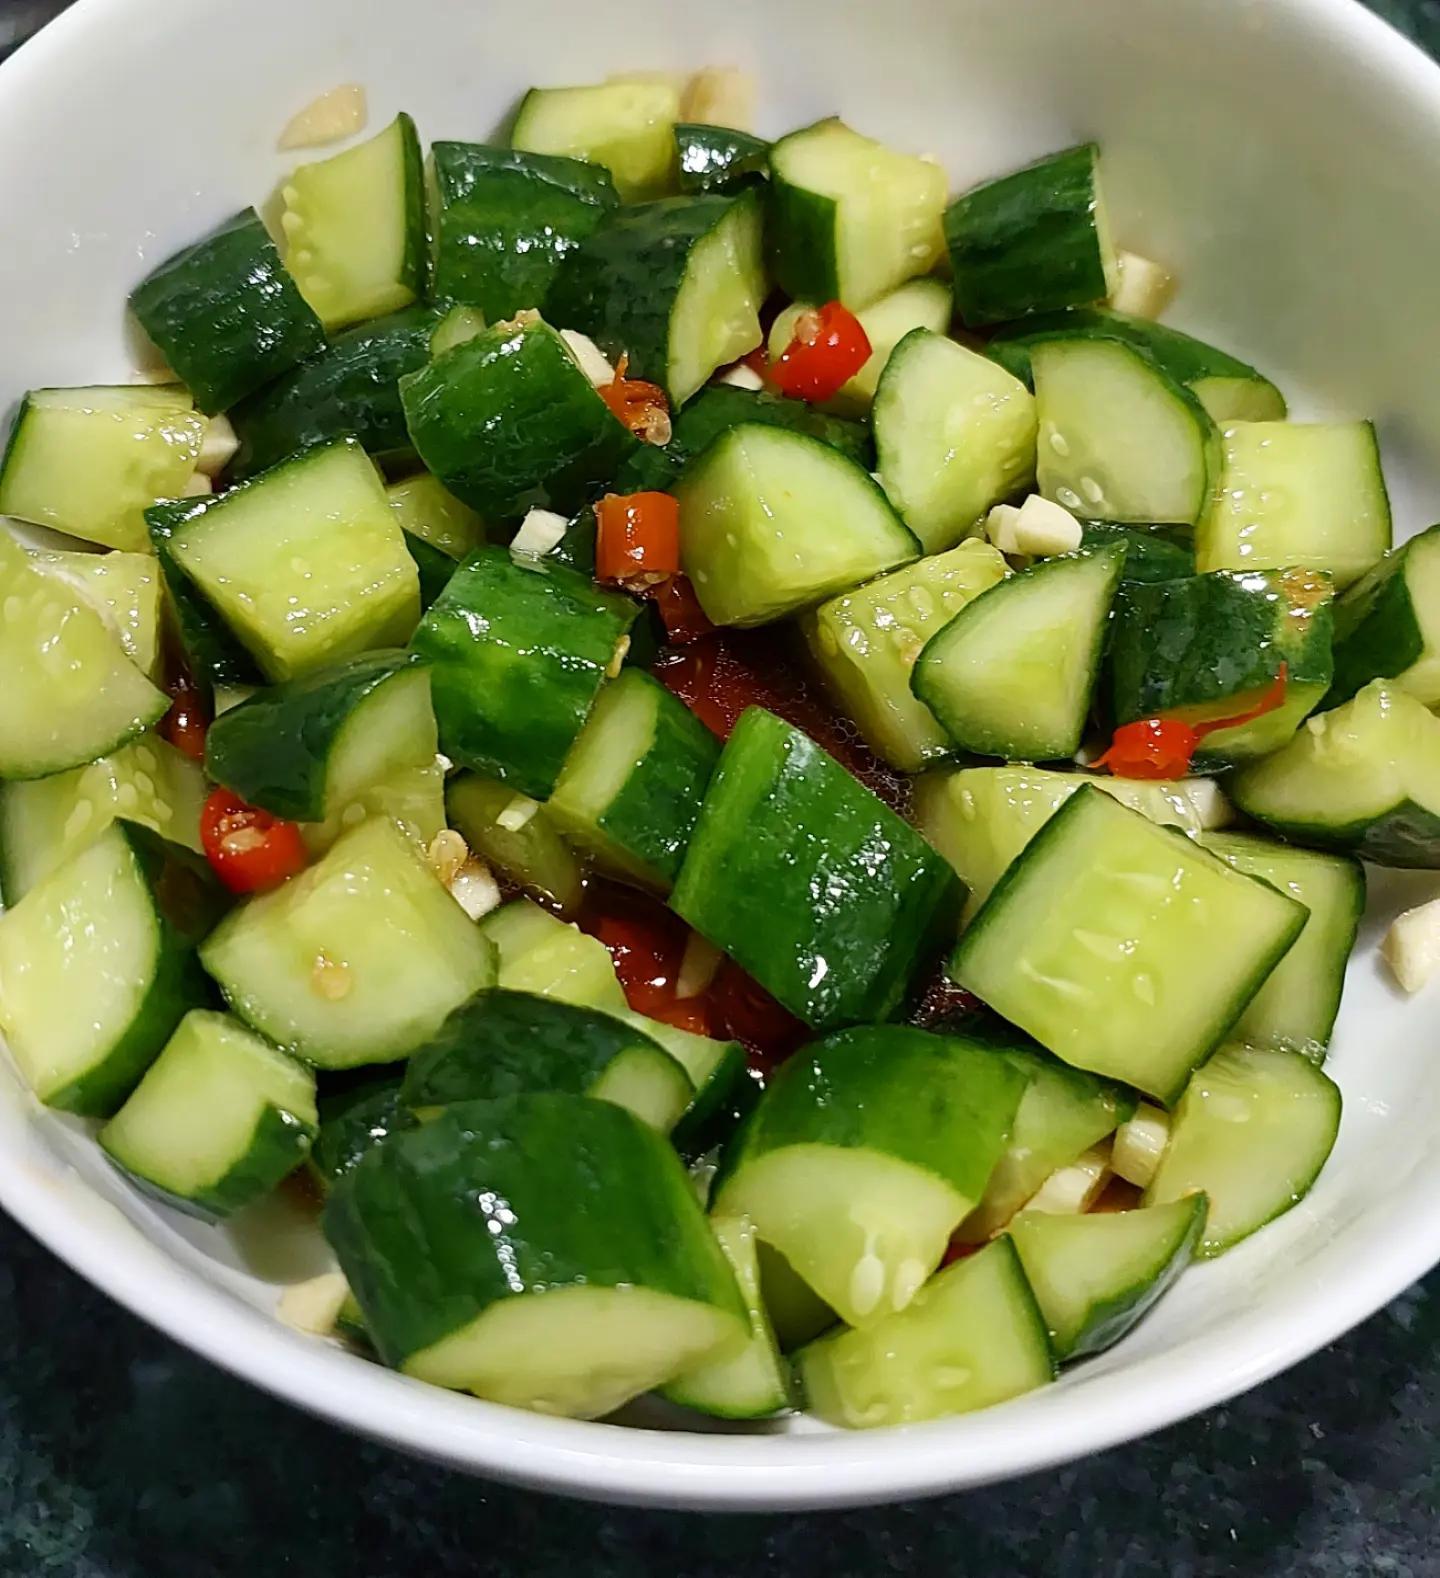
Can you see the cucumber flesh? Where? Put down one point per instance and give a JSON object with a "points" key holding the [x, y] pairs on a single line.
{"points": [[797, 1312], [124, 589], [1252, 1132], [628, 126], [539, 952], [425, 509], [533, 856]]}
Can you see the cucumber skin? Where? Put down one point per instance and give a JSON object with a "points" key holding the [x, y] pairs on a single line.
{"points": [[505, 220], [1377, 627], [432, 566], [1152, 553], [541, 425], [273, 750], [780, 816], [800, 235], [357, 1112], [518, 655], [347, 387], [621, 283], [1027, 243], [718, 158], [403, 1222], [1406, 836], [226, 315]]}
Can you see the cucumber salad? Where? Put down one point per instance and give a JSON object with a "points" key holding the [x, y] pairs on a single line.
{"points": [[745, 772]]}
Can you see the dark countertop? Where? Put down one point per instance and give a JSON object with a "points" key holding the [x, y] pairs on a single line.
{"points": [[123, 1456]]}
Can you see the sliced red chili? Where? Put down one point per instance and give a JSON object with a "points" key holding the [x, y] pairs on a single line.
{"points": [[188, 719], [1163, 748], [640, 406], [680, 611], [249, 849], [828, 348], [637, 539]]}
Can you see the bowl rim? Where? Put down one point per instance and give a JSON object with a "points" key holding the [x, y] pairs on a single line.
{"points": [[712, 1472]]}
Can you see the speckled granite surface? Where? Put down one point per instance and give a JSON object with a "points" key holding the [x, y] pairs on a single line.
{"points": [[123, 1456]]}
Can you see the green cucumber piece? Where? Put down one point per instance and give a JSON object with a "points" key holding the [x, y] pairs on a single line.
{"points": [[357, 1112], [1089, 943], [1033, 241], [533, 856], [955, 434], [218, 1120], [772, 521], [43, 821], [347, 389], [630, 790], [599, 1277], [1095, 1276], [458, 325], [717, 158], [123, 588], [865, 643], [750, 1380], [89, 462], [426, 510], [626, 125], [784, 823], [724, 1091], [980, 818], [1295, 1009], [1012, 673], [1252, 1131], [1120, 439], [1229, 389], [306, 562], [1152, 553], [676, 285], [354, 228], [433, 568], [866, 1151], [1307, 494], [1211, 646], [97, 967], [504, 221], [539, 952], [797, 1313], [74, 695], [1363, 778], [519, 649], [226, 315], [971, 1338], [356, 960], [1386, 624], [849, 218], [508, 419], [503, 1043]]}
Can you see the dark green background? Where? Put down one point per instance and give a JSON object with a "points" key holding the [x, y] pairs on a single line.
{"points": [[122, 1456]]}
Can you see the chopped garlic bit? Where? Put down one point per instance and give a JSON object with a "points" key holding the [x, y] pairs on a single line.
{"points": [[1144, 289], [593, 361], [1000, 527], [517, 813], [1043, 528], [218, 447], [617, 657], [720, 96], [540, 531], [1070, 1190], [198, 487], [1139, 1144], [698, 965], [739, 375], [339, 113], [475, 889], [314, 1306], [1412, 946], [448, 851]]}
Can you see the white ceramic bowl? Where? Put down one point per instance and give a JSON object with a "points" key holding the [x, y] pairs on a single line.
{"points": [[1281, 155]]}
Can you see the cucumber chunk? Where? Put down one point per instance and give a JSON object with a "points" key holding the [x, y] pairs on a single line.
{"points": [[356, 1113], [1095, 1276], [218, 1120], [45, 820], [973, 1337], [1120, 439], [751, 1380], [1295, 1009], [508, 419], [306, 562], [226, 315], [1252, 1132], [94, 973], [626, 125], [849, 218], [533, 856], [782, 824], [72, 695], [540, 953], [1012, 673], [797, 1313], [1033, 241], [865, 1153], [772, 521], [123, 588], [980, 818], [1387, 626], [1305, 494], [865, 643], [955, 434], [630, 790], [90, 461], [354, 227], [1363, 778], [1152, 553], [426, 510], [599, 1277], [1211, 645], [1089, 943], [356, 960], [718, 158]]}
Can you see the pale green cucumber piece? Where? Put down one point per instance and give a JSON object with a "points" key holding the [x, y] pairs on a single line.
{"points": [[1308, 494], [954, 433], [1119, 439], [540, 953], [1090, 943], [1012, 673], [427, 509], [123, 588], [1252, 1131], [797, 1312], [1094, 1276], [457, 326], [627, 125], [532, 855], [972, 1337]]}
